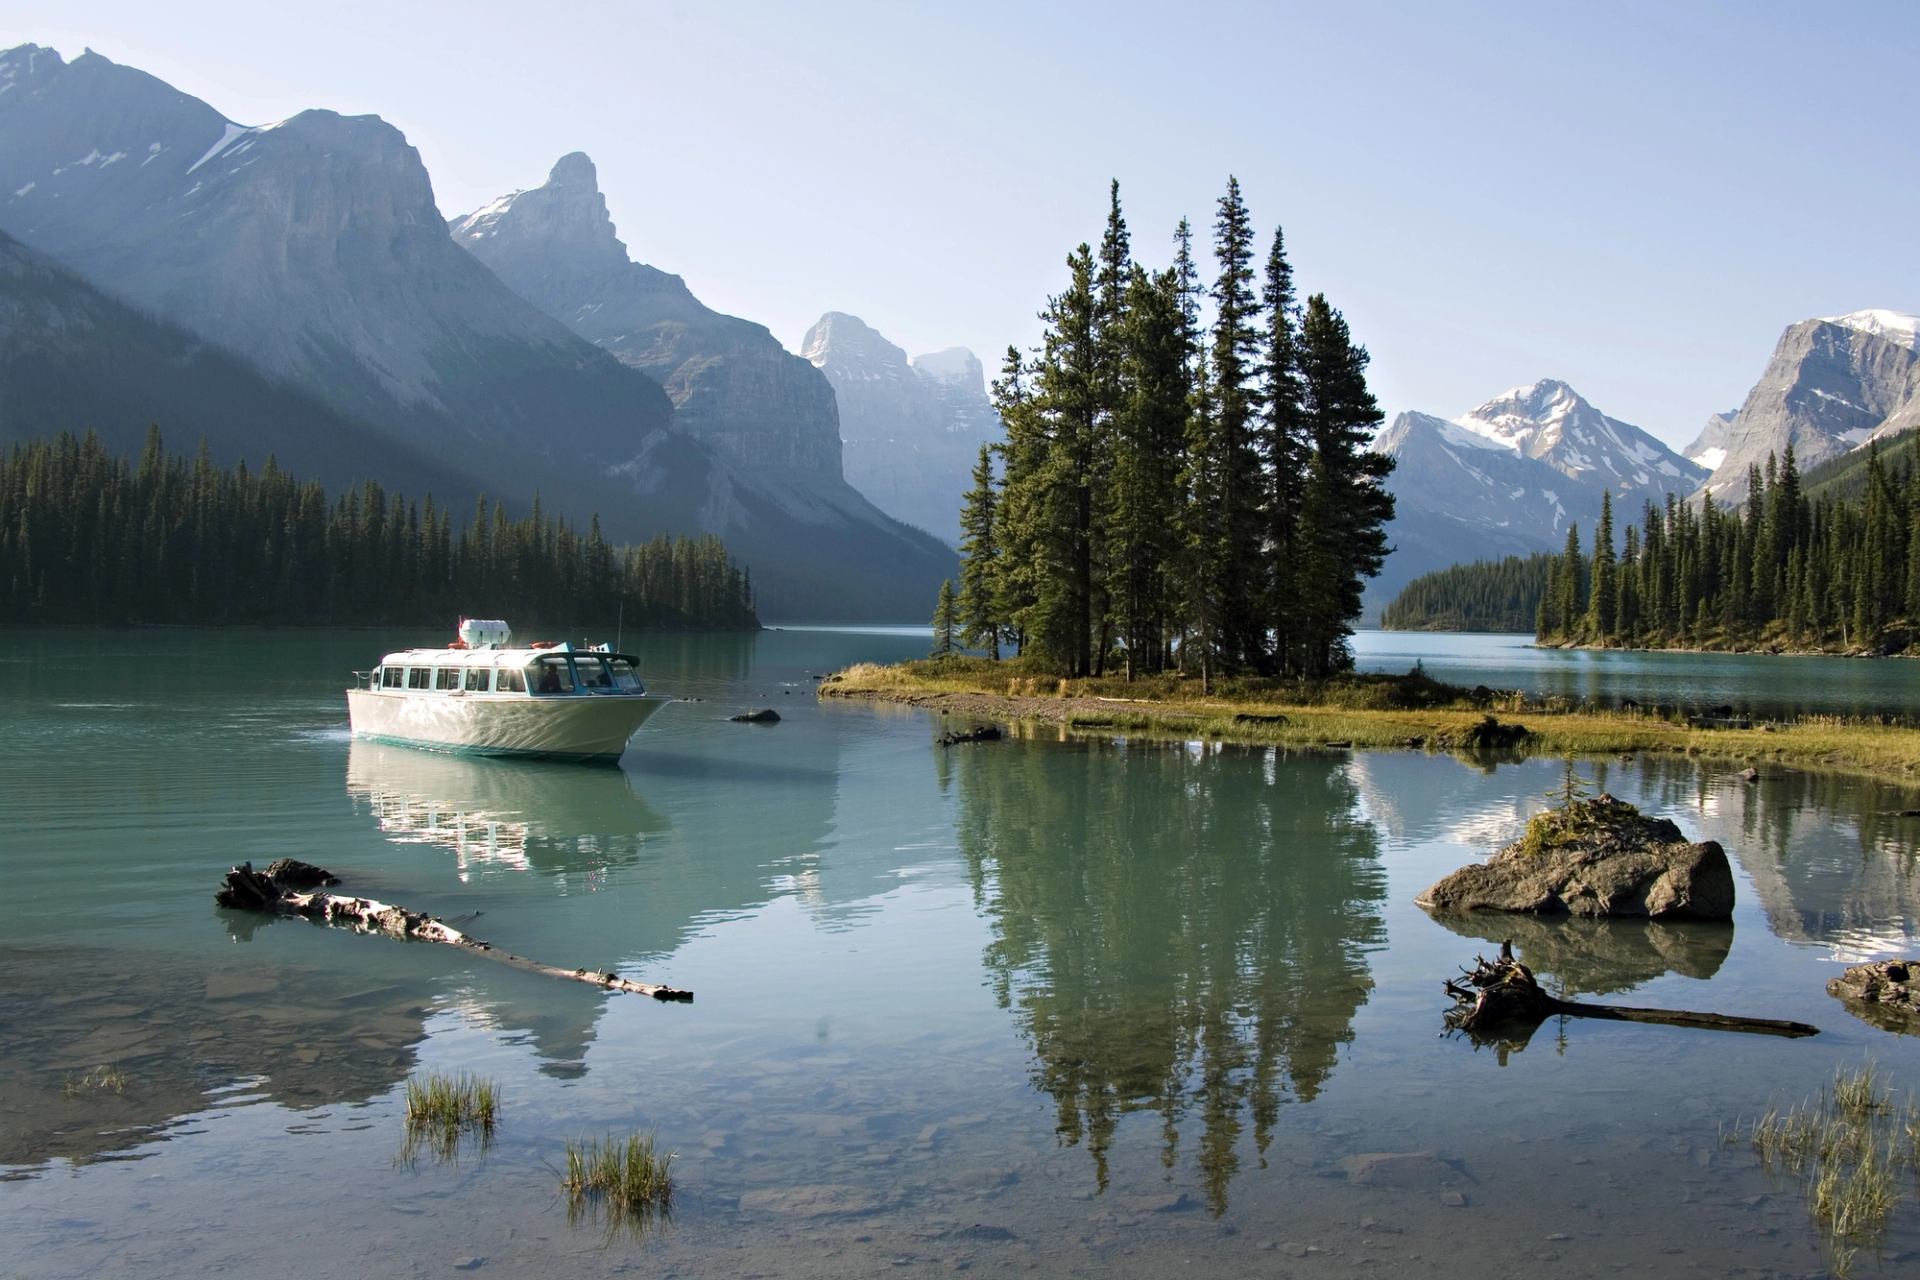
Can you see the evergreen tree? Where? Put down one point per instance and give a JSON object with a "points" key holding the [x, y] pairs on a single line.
{"points": [[979, 602], [1287, 448], [945, 621], [1345, 506], [1602, 612]]}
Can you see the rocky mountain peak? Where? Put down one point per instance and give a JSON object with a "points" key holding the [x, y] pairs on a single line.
{"points": [[1894, 326], [574, 170], [838, 340], [566, 218], [956, 366]]}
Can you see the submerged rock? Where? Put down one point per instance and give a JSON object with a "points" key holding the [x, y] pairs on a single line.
{"points": [[1598, 857], [766, 715], [1885, 993]]}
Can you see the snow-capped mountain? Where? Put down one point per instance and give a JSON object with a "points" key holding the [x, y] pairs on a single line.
{"points": [[1508, 477], [912, 429], [1833, 383]]}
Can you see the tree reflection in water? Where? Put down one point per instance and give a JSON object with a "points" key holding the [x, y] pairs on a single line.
{"points": [[1179, 929]]}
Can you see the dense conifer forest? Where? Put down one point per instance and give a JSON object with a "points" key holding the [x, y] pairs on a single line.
{"points": [[1173, 494], [1487, 595], [1792, 567], [86, 537]]}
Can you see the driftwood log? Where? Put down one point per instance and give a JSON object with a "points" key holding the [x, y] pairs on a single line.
{"points": [[291, 888], [1498, 997]]}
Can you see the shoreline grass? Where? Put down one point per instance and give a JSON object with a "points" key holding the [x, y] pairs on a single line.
{"points": [[1849, 1148], [443, 1109], [1366, 711]]}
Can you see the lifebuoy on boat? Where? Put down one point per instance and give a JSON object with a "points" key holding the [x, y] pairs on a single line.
{"points": [[543, 644], [458, 644]]}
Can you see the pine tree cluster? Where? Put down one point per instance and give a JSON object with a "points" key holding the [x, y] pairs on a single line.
{"points": [[1173, 496], [1487, 595], [86, 538], [1784, 569]]}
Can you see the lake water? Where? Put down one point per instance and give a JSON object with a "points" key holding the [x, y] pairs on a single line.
{"points": [[1035, 1006]]}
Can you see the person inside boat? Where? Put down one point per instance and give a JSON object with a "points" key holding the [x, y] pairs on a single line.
{"points": [[554, 677]]}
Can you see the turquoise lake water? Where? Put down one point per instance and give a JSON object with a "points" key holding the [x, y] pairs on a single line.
{"points": [[1035, 1006]]}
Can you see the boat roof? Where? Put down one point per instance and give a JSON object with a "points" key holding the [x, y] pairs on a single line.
{"points": [[513, 656]]}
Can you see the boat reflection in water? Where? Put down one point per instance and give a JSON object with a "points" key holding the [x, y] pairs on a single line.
{"points": [[509, 815]]}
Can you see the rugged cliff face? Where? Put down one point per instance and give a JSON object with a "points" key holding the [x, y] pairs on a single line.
{"points": [[73, 359], [1831, 385], [313, 250], [732, 383], [912, 428]]}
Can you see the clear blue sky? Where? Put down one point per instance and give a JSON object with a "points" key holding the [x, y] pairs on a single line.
{"points": [[1635, 197]]}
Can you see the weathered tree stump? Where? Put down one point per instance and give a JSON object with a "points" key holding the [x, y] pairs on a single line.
{"points": [[289, 888], [1501, 996]]}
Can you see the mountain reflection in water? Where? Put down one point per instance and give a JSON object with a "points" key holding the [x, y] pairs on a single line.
{"points": [[1197, 948]]}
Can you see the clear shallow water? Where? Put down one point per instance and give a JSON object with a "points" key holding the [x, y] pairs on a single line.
{"points": [[1759, 684], [1037, 1006]]}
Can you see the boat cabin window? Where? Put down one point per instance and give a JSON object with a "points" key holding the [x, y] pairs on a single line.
{"points": [[592, 672], [446, 678], [624, 676], [477, 679], [510, 680], [390, 677], [419, 677], [551, 674]]}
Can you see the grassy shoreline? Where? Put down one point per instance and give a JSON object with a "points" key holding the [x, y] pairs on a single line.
{"points": [[1363, 711]]}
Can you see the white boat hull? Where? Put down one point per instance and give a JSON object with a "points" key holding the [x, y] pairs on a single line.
{"points": [[588, 728]]}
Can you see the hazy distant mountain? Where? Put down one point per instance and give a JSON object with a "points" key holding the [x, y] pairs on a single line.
{"points": [[912, 429], [1507, 478], [313, 248], [74, 359], [731, 381], [1832, 384]]}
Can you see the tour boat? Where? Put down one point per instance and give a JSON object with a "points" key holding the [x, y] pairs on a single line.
{"points": [[482, 695]]}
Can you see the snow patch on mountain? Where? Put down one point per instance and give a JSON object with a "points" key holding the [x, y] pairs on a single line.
{"points": [[1894, 326]]}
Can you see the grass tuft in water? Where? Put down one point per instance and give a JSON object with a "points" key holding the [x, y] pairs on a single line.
{"points": [[442, 1109], [1848, 1147], [97, 1080], [631, 1178]]}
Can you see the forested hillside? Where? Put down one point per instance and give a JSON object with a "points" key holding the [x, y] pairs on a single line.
{"points": [[1487, 595], [86, 537], [1784, 569], [1173, 495]]}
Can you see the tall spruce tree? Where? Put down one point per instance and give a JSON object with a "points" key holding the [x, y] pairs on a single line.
{"points": [[1346, 505], [1236, 397], [980, 596], [1287, 449], [946, 621], [1150, 427], [1603, 609]]}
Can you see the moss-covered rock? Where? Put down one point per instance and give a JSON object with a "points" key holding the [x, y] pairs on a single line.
{"points": [[1598, 857]]}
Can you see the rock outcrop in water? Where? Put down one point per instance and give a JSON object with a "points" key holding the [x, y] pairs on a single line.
{"points": [[1885, 993], [1598, 857]]}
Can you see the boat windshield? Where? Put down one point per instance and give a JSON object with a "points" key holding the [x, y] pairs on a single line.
{"points": [[550, 675], [625, 678], [592, 672]]}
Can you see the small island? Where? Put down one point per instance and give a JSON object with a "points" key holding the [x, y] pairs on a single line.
{"points": [[1410, 711]]}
